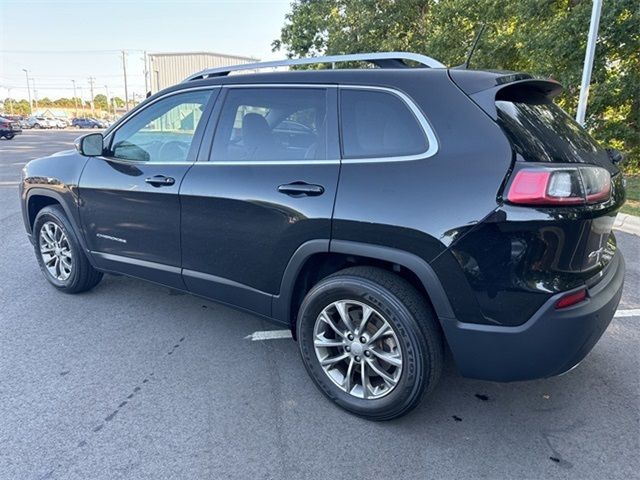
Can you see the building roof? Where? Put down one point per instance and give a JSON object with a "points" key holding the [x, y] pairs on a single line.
{"points": [[213, 54]]}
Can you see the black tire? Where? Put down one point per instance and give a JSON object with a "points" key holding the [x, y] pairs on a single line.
{"points": [[10, 136], [83, 276], [413, 322]]}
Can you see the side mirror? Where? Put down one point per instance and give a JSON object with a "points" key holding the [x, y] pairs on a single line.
{"points": [[91, 145], [615, 156]]}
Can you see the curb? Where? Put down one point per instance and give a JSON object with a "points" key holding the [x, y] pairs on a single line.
{"points": [[627, 223]]}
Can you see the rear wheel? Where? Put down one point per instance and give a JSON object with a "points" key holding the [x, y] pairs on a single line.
{"points": [[370, 342], [60, 256], [10, 136]]}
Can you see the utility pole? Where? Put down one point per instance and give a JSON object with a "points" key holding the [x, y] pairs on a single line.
{"points": [[588, 61], [93, 109], [81, 101], [26, 72], [75, 97], [108, 109], [146, 73], [126, 89]]}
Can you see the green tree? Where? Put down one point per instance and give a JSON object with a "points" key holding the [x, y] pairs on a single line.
{"points": [[543, 37], [119, 102], [19, 107], [100, 102]]}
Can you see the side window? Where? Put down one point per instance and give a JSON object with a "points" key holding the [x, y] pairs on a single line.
{"points": [[162, 132], [272, 124], [378, 124]]}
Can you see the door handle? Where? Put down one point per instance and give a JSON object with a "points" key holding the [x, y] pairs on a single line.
{"points": [[301, 189], [160, 180]]}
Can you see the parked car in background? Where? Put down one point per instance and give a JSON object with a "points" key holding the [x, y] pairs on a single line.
{"points": [[61, 122], [101, 123], [57, 122], [85, 123], [9, 128], [40, 122]]}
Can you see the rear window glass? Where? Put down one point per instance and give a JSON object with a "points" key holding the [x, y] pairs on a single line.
{"points": [[378, 124], [540, 131]]}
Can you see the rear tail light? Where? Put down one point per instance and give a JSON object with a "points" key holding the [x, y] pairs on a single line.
{"points": [[572, 299], [560, 186]]}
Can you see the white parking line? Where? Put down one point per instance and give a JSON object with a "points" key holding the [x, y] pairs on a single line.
{"points": [[280, 334], [268, 335]]}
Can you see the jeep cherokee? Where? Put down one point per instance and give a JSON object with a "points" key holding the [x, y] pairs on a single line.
{"points": [[381, 214]]}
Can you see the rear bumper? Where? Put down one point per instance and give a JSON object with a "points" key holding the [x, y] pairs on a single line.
{"points": [[549, 343]]}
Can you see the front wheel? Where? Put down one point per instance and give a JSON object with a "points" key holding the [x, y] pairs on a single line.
{"points": [[60, 256], [370, 342], [10, 136]]}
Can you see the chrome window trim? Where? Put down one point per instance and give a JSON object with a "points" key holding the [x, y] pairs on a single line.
{"points": [[422, 120], [432, 141], [270, 162]]}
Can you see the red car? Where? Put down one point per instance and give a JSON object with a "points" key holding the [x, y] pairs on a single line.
{"points": [[8, 128]]}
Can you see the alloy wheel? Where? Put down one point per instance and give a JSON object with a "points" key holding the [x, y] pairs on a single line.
{"points": [[55, 251], [358, 349]]}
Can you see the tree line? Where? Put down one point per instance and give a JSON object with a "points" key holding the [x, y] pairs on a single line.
{"points": [[21, 107], [542, 37]]}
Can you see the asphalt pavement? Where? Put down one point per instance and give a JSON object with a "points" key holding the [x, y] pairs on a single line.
{"points": [[132, 380]]}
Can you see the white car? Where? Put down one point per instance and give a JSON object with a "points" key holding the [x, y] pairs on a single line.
{"points": [[39, 122], [57, 123]]}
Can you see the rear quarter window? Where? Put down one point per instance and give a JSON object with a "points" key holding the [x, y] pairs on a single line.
{"points": [[378, 124]]}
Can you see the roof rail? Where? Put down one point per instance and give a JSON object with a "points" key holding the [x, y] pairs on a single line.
{"points": [[380, 59]]}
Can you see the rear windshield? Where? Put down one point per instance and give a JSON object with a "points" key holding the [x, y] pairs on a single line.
{"points": [[540, 131]]}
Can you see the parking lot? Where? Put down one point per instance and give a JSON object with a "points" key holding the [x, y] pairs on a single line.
{"points": [[133, 380]]}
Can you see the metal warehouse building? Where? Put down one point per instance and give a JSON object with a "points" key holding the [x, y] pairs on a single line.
{"points": [[167, 69]]}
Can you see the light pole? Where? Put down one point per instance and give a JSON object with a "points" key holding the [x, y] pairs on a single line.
{"points": [[9, 100], [26, 73], [588, 61], [93, 109], [75, 97], [35, 93]]}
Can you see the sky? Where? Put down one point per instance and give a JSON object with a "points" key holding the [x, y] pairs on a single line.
{"points": [[58, 41]]}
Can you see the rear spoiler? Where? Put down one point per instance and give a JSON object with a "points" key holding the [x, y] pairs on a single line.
{"points": [[484, 88]]}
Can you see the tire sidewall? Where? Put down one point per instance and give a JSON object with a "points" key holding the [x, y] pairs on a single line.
{"points": [[49, 214], [413, 347]]}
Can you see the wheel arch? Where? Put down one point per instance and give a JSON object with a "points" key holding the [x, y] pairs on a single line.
{"points": [[39, 198], [317, 259]]}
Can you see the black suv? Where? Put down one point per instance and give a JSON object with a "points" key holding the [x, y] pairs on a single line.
{"points": [[381, 214]]}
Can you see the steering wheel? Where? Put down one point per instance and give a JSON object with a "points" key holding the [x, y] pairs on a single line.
{"points": [[173, 151]]}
